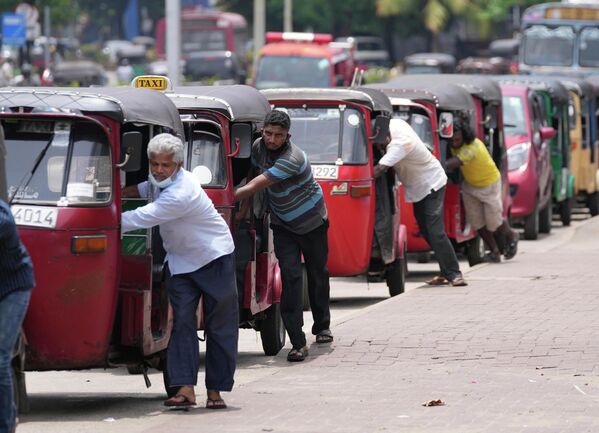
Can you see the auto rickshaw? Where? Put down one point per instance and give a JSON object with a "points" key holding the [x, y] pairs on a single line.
{"points": [[100, 299], [338, 130], [429, 108], [488, 117], [550, 105], [76, 73], [584, 162], [221, 123], [484, 65], [429, 63]]}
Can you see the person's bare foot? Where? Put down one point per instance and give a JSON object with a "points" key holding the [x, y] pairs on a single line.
{"points": [[214, 400], [185, 397]]}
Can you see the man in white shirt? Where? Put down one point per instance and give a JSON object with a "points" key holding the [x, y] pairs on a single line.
{"points": [[200, 260], [424, 180]]}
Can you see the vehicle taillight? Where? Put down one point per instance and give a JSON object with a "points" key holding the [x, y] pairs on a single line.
{"points": [[359, 191], [317, 38], [89, 244]]}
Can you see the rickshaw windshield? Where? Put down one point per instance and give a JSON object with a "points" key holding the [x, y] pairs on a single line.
{"points": [[290, 71], [75, 170], [206, 154], [316, 131], [514, 120], [589, 46], [549, 47], [421, 124]]}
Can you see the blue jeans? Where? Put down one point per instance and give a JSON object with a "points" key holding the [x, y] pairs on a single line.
{"points": [[12, 311]]}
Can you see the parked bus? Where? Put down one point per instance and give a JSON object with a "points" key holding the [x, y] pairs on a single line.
{"points": [[206, 30], [560, 38]]}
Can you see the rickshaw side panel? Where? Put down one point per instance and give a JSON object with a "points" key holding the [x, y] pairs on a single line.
{"points": [[76, 301], [351, 227]]}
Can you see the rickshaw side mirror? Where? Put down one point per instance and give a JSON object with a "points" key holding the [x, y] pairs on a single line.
{"points": [[380, 130], [131, 148], [547, 133], [241, 140], [491, 119], [446, 125]]}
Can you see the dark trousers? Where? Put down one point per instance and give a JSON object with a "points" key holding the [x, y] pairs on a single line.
{"points": [[289, 248], [216, 282], [429, 215]]}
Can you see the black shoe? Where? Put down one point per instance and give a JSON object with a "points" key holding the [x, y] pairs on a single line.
{"points": [[492, 258]]}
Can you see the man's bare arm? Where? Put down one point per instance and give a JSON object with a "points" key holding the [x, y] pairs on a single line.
{"points": [[452, 163], [130, 192], [252, 187]]}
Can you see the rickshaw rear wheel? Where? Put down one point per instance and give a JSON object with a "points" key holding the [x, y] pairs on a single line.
{"points": [[593, 203], [565, 211], [20, 390], [475, 251], [272, 331], [545, 218], [531, 225], [395, 276]]}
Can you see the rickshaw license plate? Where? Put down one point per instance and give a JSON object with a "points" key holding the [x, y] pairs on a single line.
{"points": [[35, 216], [325, 171]]}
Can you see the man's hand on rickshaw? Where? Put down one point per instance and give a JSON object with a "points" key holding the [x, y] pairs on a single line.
{"points": [[379, 170]]}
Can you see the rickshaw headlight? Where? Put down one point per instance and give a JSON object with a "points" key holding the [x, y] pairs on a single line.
{"points": [[517, 156], [89, 244]]}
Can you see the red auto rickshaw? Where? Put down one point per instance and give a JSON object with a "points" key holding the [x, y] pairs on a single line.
{"points": [[338, 130], [429, 108], [100, 299]]}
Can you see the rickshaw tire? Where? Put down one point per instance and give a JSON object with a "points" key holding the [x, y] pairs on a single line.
{"points": [[272, 331], [593, 203], [565, 211], [395, 276], [475, 251], [531, 225], [545, 218], [20, 390]]}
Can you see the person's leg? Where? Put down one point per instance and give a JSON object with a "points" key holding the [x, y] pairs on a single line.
{"points": [[431, 208], [12, 312], [183, 353], [287, 251], [221, 322], [315, 248]]}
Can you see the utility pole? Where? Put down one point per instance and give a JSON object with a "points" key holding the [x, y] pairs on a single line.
{"points": [[173, 40], [288, 16], [47, 33], [259, 28]]}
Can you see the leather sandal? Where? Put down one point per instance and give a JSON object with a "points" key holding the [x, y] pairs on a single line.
{"points": [[439, 280]]}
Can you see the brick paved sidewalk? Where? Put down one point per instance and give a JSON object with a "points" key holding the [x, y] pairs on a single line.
{"points": [[515, 351]]}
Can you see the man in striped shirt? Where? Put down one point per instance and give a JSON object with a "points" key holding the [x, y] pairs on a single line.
{"points": [[299, 223]]}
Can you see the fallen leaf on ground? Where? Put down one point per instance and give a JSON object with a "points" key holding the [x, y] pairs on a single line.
{"points": [[434, 403]]}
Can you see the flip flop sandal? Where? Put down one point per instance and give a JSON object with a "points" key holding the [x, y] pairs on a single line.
{"points": [[512, 248], [324, 337], [218, 403], [439, 280], [458, 282], [297, 355], [179, 400]]}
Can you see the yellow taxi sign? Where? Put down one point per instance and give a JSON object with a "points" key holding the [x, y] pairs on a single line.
{"points": [[154, 82]]}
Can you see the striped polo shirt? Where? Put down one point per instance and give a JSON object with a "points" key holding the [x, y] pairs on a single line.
{"points": [[295, 198]]}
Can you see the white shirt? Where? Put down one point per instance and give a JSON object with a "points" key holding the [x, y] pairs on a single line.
{"points": [[192, 231], [415, 166]]}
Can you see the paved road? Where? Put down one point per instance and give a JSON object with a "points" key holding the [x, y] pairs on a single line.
{"points": [[515, 351]]}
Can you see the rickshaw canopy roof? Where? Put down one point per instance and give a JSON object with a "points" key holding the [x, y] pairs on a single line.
{"points": [[124, 104], [482, 87], [237, 102], [577, 84], [444, 96], [371, 98], [556, 89]]}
